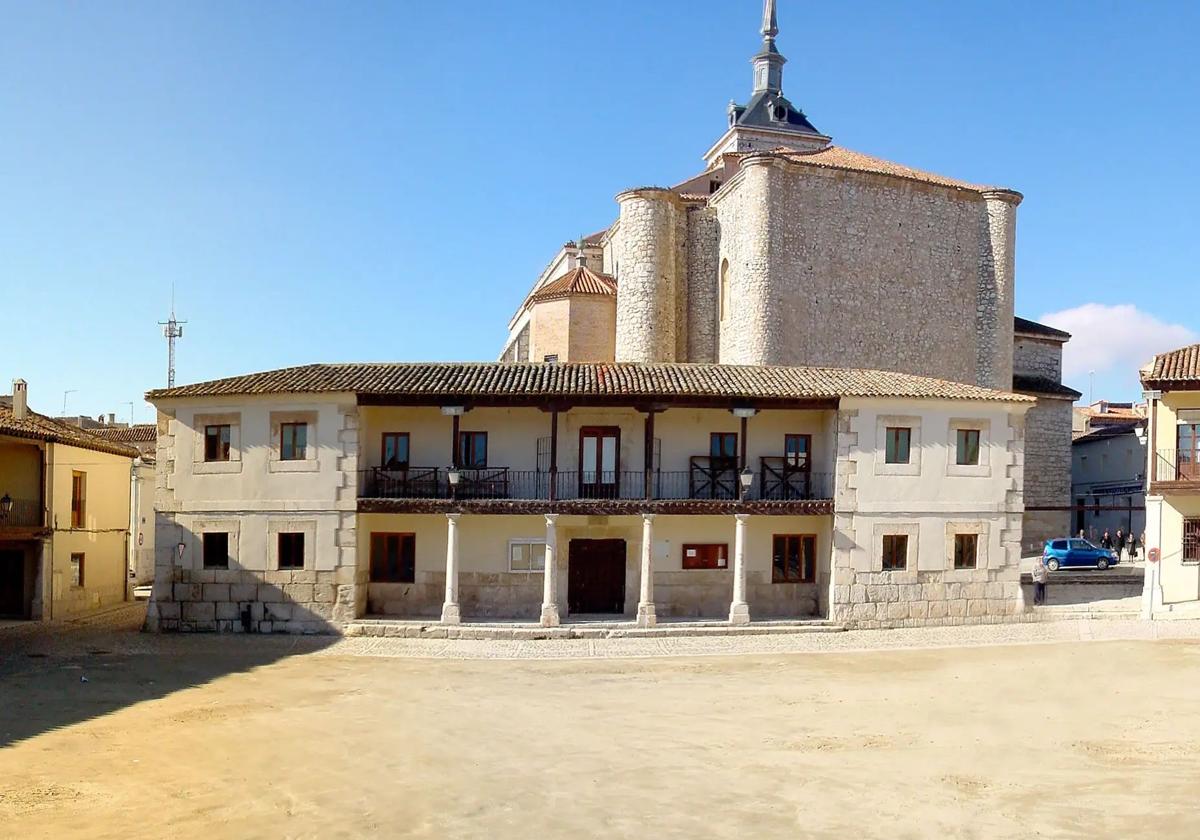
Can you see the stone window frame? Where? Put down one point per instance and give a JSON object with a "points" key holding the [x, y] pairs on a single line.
{"points": [[984, 468], [882, 423], [233, 419], [912, 530], [307, 527], [200, 527], [275, 462], [525, 541], [982, 530]]}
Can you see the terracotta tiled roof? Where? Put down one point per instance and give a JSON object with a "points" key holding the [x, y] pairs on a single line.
{"points": [[495, 379], [577, 281], [836, 157], [1024, 325], [39, 427], [140, 433], [1179, 367]]}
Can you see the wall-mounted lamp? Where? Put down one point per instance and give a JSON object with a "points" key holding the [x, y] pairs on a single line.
{"points": [[6, 504]]}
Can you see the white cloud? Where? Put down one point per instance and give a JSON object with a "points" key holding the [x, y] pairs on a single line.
{"points": [[1114, 339]]}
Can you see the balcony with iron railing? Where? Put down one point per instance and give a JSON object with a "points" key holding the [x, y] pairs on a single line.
{"points": [[1176, 466], [20, 513], [706, 480]]}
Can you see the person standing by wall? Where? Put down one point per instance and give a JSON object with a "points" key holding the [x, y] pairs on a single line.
{"points": [[1119, 546], [1106, 541], [1039, 574]]}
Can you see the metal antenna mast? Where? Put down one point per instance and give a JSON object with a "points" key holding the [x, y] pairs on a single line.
{"points": [[172, 329]]}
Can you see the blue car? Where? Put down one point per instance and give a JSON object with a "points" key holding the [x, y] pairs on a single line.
{"points": [[1064, 554]]}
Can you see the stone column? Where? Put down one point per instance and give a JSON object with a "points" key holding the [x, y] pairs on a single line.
{"points": [[648, 305], [739, 610], [450, 611], [645, 612], [994, 307], [550, 616]]}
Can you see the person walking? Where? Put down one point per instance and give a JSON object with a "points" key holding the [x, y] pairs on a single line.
{"points": [[1106, 540], [1133, 547], [1119, 544], [1039, 574]]}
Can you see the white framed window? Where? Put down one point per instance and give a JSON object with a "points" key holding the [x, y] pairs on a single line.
{"points": [[527, 556]]}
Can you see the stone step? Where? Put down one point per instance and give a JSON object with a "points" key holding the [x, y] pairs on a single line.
{"points": [[401, 629]]}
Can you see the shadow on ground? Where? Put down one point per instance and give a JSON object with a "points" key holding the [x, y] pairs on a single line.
{"points": [[58, 674]]}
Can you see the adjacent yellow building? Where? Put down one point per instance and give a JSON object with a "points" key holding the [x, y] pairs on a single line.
{"points": [[64, 515], [1172, 382]]}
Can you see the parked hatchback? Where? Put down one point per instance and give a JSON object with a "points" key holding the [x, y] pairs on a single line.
{"points": [[1063, 554]]}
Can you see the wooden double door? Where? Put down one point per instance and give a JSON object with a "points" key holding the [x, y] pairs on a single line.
{"points": [[596, 577], [12, 583]]}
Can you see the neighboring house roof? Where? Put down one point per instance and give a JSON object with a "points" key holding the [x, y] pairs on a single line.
{"points": [[578, 281], [1179, 368], [1043, 386], [140, 433], [1129, 427], [1024, 325], [40, 427], [603, 380]]}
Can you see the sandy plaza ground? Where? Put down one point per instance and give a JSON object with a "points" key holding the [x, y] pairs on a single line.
{"points": [[316, 738]]}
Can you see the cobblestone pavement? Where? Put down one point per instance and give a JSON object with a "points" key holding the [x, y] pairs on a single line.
{"points": [[117, 632]]}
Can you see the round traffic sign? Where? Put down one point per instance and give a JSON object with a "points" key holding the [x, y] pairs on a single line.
{"points": [[1154, 555]]}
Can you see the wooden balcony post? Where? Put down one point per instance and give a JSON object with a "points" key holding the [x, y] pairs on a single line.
{"points": [[454, 442], [553, 454], [648, 458]]}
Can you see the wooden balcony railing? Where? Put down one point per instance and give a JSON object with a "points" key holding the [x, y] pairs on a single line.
{"points": [[1177, 465], [25, 513], [704, 480]]}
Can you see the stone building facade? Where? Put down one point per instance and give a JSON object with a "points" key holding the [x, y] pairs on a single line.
{"points": [[301, 500], [790, 250]]}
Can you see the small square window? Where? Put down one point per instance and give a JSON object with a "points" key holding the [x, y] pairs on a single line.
{"points": [[216, 550], [293, 441], [216, 442], [552, 359], [291, 551], [898, 445], [968, 447], [895, 552], [527, 557], [77, 570], [966, 551]]}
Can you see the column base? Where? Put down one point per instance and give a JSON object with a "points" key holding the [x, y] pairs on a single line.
{"points": [[739, 613], [550, 617], [451, 614], [645, 615]]}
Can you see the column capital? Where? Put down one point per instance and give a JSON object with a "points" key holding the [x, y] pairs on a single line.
{"points": [[453, 517], [551, 518], [742, 517], [649, 517]]}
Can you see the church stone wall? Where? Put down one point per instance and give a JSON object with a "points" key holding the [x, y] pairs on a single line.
{"points": [[1047, 472], [703, 267], [648, 300], [994, 313], [839, 268], [1037, 357]]}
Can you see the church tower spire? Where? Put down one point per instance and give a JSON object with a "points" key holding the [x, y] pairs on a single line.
{"points": [[768, 64]]}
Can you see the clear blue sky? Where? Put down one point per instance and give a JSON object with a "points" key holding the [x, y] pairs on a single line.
{"points": [[330, 181]]}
